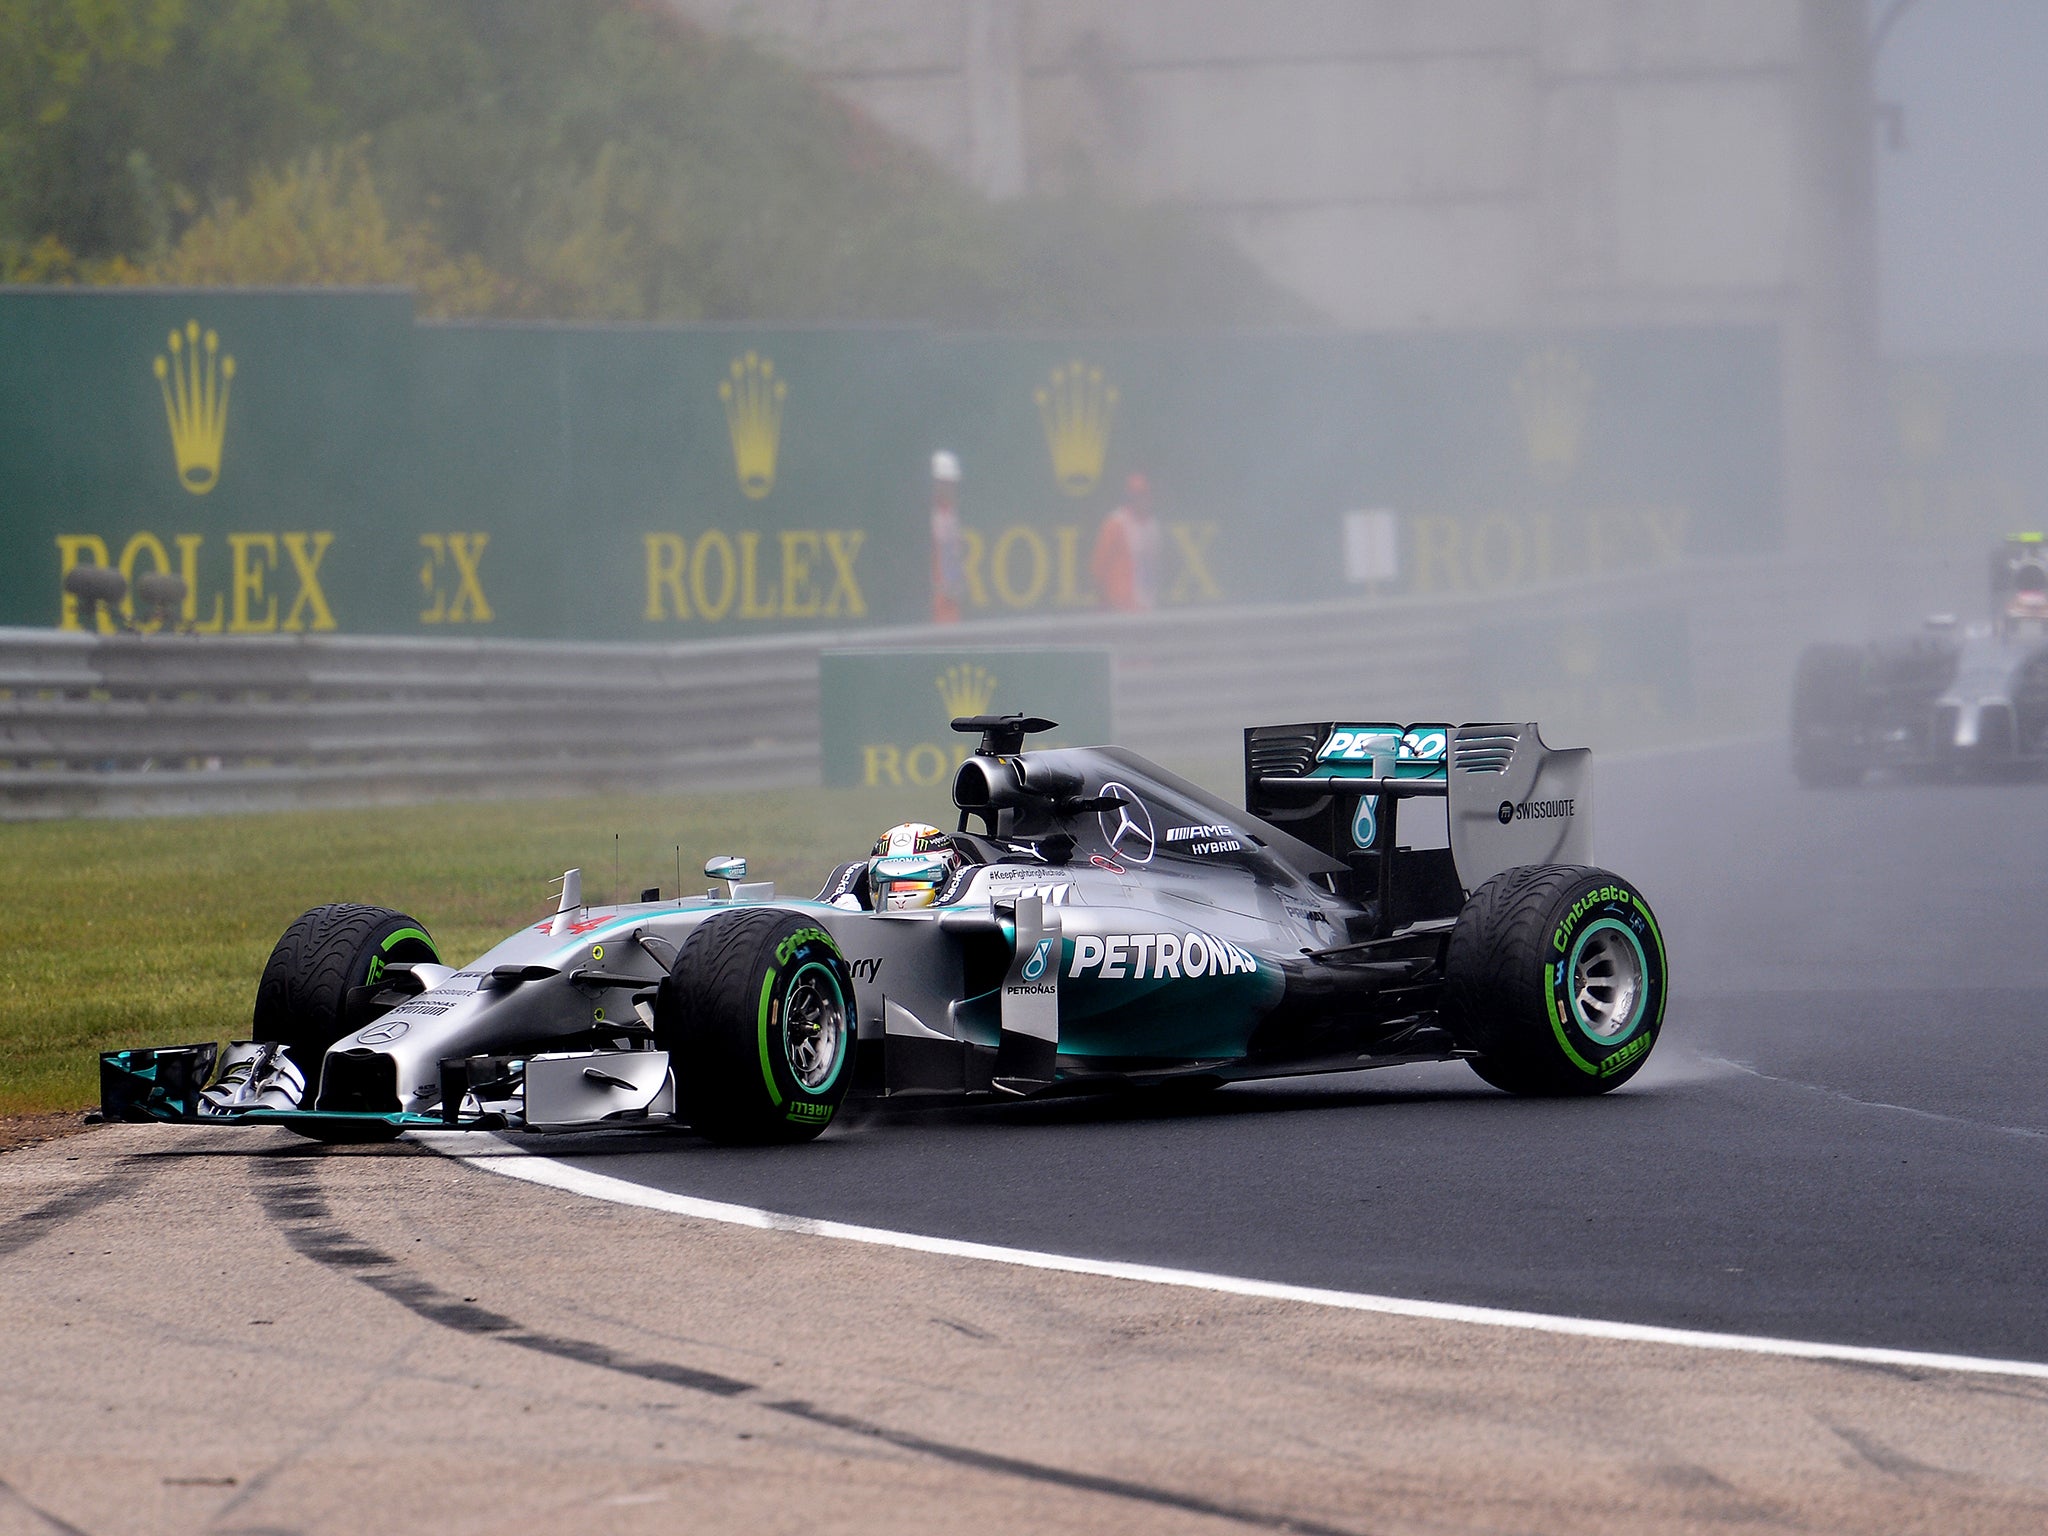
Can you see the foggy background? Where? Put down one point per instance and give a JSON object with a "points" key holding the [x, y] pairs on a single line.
{"points": [[1859, 177], [1512, 163], [1962, 207], [1659, 337]]}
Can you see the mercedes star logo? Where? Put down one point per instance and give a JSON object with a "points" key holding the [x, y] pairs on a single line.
{"points": [[1127, 829]]}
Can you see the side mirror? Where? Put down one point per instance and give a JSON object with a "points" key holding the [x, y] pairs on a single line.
{"points": [[726, 866]]}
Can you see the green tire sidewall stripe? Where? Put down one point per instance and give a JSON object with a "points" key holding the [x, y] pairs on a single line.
{"points": [[375, 971], [767, 1067], [1564, 1042], [1663, 965]]}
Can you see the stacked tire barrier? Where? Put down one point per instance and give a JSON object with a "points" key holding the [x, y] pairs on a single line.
{"points": [[141, 724]]}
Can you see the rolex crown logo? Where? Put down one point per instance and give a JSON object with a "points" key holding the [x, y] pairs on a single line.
{"points": [[753, 416], [966, 689], [1075, 406], [195, 380], [1552, 393], [1920, 402]]}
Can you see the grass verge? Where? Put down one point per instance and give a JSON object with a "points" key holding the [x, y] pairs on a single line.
{"points": [[122, 933]]}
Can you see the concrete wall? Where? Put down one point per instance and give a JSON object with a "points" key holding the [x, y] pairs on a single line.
{"points": [[1433, 163]]}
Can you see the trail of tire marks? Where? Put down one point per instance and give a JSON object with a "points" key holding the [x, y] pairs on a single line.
{"points": [[1842, 1096], [61, 1527], [291, 1197], [40, 1221]]}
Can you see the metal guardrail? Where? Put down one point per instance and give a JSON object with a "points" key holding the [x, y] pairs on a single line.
{"points": [[135, 724]]}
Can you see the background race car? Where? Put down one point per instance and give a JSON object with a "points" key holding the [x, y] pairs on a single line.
{"points": [[1954, 701]]}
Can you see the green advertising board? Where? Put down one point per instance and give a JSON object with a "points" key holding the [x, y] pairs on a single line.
{"points": [[1506, 459], [885, 715], [258, 444], [655, 482], [315, 460]]}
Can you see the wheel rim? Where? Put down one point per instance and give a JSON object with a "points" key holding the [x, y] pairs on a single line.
{"points": [[1609, 978], [814, 1027]]}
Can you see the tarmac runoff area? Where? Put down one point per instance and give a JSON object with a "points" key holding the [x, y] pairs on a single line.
{"points": [[237, 1332]]}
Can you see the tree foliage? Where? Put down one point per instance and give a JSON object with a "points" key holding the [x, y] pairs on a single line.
{"points": [[585, 158], [321, 222]]}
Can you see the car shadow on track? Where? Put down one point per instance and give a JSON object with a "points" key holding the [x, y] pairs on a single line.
{"points": [[1238, 1102], [1301, 1096]]}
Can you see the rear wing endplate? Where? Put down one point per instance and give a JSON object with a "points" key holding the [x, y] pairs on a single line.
{"points": [[1516, 801]]}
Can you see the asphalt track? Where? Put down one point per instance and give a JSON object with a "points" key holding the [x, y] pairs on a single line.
{"points": [[1843, 1135]]}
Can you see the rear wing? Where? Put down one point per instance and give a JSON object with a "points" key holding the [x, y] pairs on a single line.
{"points": [[1512, 799]]}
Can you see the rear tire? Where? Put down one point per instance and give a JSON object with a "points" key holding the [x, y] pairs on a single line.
{"points": [[1827, 717], [1557, 977], [302, 1001], [1508, 1077], [759, 1021]]}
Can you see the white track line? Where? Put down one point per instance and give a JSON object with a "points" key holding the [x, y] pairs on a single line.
{"points": [[513, 1163]]}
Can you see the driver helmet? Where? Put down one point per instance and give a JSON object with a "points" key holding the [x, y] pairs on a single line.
{"points": [[2019, 577], [910, 865], [2028, 599]]}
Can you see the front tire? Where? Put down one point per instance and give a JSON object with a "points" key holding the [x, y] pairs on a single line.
{"points": [[759, 1022], [302, 1001], [1557, 977]]}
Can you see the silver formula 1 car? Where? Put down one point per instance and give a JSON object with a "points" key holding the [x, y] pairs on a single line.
{"points": [[1956, 701], [1390, 894]]}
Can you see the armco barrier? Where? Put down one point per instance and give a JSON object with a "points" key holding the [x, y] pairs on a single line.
{"points": [[134, 724]]}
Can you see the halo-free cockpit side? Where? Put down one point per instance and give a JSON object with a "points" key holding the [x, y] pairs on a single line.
{"points": [[1388, 893]]}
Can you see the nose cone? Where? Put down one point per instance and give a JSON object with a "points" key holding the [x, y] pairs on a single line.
{"points": [[395, 1060], [1977, 728]]}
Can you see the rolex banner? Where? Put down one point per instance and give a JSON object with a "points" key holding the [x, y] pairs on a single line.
{"points": [[886, 715], [656, 483], [1506, 460], [316, 461], [259, 445]]}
